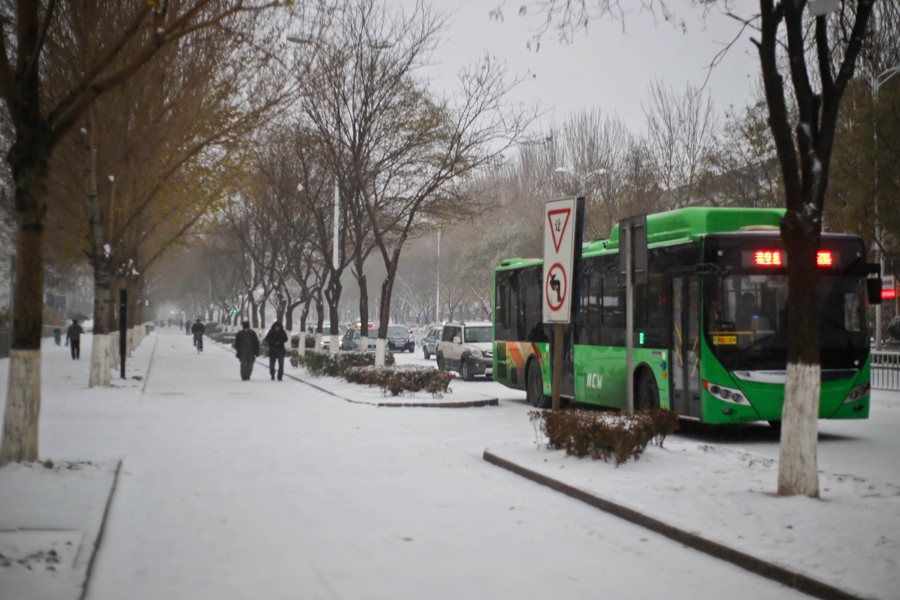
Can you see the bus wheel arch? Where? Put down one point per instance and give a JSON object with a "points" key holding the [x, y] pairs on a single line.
{"points": [[646, 390], [534, 386]]}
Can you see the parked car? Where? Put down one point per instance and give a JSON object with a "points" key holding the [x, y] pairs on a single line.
{"points": [[430, 341], [350, 341], [399, 339], [466, 348], [311, 337]]}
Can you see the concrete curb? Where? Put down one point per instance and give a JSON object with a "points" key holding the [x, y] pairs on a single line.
{"points": [[782, 575], [400, 404], [90, 566]]}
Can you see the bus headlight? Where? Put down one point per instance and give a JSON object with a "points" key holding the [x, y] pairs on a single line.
{"points": [[726, 394], [858, 393]]}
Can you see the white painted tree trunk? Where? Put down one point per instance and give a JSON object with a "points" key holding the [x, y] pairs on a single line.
{"points": [[129, 342], [798, 469], [364, 342], [23, 408], [335, 341], [100, 361], [379, 352], [301, 345], [318, 342]]}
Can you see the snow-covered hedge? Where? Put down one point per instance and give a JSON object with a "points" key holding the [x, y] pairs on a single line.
{"points": [[333, 365], [604, 434], [399, 379]]}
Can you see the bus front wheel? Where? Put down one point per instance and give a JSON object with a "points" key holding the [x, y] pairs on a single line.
{"points": [[534, 389], [648, 391]]}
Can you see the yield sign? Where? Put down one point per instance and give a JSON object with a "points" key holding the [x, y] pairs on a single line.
{"points": [[559, 219]]}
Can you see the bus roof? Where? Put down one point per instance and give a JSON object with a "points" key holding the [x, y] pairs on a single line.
{"points": [[689, 224], [682, 225]]}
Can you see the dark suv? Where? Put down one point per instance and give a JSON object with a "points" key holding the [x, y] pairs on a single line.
{"points": [[399, 339]]}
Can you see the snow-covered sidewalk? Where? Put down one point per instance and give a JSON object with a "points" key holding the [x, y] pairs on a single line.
{"points": [[232, 489]]}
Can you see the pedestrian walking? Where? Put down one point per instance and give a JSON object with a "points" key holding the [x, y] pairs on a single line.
{"points": [[73, 339], [246, 343], [276, 338]]}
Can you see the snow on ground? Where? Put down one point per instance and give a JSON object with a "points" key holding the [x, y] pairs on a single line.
{"points": [[232, 489]]}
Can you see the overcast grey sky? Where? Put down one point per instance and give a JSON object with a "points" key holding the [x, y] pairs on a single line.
{"points": [[604, 67]]}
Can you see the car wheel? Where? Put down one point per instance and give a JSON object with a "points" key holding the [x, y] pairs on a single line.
{"points": [[648, 391], [534, 387], [465, 370], [426, 353], [440, 362]]}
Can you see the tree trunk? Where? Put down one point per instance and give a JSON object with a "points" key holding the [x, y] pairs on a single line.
{"points": [[320, 322], [100, 264], [798, 471], [363, 310], [23, 396], [384, 316], [333, 295], [28, 159]]}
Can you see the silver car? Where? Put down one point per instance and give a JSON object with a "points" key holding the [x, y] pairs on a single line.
{"points": [[430, 342]]}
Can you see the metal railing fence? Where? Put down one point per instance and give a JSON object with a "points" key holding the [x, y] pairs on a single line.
{"points": [[886, 369]]}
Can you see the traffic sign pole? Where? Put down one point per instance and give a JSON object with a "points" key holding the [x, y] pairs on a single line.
{"points": [[556, 383]]}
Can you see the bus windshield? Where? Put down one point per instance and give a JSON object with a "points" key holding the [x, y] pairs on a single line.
{"points": [[745, 316]]}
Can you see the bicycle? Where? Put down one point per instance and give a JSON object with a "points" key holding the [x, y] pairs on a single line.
{"points": [[198, 342]]}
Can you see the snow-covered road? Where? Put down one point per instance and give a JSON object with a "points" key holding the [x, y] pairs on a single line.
{"points": [[271, 490]]}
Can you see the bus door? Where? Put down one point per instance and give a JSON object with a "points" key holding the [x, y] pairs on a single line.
{"points": [[684, 353]]}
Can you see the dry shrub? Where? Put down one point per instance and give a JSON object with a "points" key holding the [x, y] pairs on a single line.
{"points": [[604, 434]]}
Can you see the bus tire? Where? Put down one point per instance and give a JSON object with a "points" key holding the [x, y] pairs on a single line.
{"points": [[648, 391], [534, 387]]}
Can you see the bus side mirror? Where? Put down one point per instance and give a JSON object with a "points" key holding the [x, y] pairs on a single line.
{"points": [[873, 289]]}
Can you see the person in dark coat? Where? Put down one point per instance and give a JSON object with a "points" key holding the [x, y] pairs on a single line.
{"points": [[276, 338], [73, 339], [247, 345], [198, 329]]}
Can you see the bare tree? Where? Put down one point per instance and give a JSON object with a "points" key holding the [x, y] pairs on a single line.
{"points": [[398, 151]]}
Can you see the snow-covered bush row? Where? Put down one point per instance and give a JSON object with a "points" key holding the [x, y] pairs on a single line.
{"points": [[396, 380], [333, 365]]}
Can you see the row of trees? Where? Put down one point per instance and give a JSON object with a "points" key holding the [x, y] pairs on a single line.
{"points": [[126, 125], [370, 144]]}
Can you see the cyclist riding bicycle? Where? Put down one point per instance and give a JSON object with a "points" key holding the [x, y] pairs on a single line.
{"points": [[197, 329]]}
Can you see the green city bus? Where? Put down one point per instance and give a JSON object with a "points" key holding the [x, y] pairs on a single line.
{"points": [[710, 325]]}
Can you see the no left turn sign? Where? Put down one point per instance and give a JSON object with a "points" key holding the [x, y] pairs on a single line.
{"points": [[559, 246], [556, 287]]}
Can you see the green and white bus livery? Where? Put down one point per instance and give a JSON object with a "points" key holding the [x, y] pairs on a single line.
{"points": [[710, 325]]}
